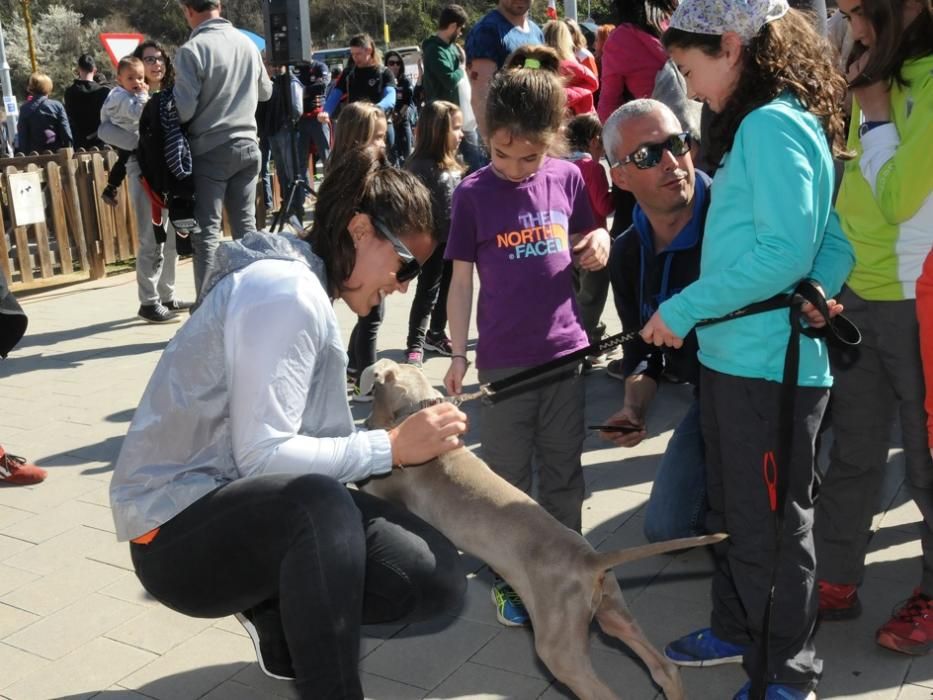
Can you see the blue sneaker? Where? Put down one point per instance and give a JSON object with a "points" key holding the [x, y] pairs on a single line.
{"points": [[510, 610], [703, 648], [776, 691]]}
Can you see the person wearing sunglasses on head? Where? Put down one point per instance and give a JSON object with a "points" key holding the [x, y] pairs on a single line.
{"points": [[230, 482], [655, 258]]}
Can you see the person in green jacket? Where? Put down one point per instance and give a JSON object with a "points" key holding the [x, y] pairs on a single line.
{"points": [[777, 99], [441, 57], [444, 80], [886, 206]]}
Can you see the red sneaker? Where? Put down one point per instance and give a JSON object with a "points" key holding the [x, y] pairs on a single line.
{"points": [[910, 631], [17, 471], [838, 601]]}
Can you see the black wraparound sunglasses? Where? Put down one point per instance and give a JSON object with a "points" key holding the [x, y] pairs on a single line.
{"points": [[649, 155], [409, 267]]}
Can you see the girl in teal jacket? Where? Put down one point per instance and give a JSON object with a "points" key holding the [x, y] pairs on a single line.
{"points": [[766, 74]]}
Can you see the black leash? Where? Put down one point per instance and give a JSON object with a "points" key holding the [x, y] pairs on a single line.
{"points": [[490, 391], [776, 464]]}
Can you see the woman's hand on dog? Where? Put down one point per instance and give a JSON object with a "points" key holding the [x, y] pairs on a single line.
{"points": [[430, 432]]}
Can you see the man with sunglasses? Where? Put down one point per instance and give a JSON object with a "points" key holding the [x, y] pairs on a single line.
{"points": [[656, 257]]}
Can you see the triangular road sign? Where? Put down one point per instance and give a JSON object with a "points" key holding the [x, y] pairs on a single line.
{"points": [[120, 45]]}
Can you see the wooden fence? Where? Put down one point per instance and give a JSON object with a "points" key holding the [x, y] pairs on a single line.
{"points": [[80, 234]]}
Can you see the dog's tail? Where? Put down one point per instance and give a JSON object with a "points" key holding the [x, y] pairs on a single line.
{"points": [[608, 560]]}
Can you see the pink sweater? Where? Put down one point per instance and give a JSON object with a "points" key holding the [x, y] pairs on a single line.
{"points": [[631, 61], [581, 83]]}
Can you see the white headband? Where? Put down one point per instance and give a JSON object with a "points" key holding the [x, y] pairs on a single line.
{"points": [[716, 17]]}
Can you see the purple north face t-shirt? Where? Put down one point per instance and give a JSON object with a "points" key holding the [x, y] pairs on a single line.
{"points": [[517, 235]]}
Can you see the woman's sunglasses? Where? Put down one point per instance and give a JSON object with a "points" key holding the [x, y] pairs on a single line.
{"points": [[410, 267], [393, 63], [650, 154]]}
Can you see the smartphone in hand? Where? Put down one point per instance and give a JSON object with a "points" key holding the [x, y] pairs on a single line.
{"points": [[616, 428]]}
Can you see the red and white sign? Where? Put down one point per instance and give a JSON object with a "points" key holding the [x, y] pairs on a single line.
{"points": [[120, 45], [551, 9]]}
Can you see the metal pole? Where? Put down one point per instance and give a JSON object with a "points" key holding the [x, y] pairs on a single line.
{"points": [[8, 95], [32, 44], [385, 26], [570, 9]]}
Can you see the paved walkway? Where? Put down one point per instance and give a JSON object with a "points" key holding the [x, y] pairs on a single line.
{"points": [[74, 622]]}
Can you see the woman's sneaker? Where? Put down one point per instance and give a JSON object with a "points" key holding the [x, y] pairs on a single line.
{"points": [[415, 357], [156, 313], [263, 624], [510, 610], [703, 648], [910, 630], [439, 343], [16, 471], [776, 691], [838, 601]]}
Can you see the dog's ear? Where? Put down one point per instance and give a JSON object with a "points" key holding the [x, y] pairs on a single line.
{"points": [[380, 373]]}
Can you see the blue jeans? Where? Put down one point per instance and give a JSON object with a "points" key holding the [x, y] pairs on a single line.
{"points": [[677, 505], [399, 141], [311, 131]]}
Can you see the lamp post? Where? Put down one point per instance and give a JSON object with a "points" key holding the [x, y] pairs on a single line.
{"points": [[29, 39], [9, 99], [570, 9], [385, 26]]}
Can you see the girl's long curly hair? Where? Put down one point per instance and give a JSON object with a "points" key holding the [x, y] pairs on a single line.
{"points": [[787, 54]]}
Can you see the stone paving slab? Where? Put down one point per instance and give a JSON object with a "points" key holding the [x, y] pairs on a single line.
{"points": [[75, 623]]}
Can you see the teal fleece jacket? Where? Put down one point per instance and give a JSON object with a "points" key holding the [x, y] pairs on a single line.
{"points": [[770, 225]]}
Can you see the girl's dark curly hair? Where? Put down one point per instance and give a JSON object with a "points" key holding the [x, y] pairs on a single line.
{"points": [[787, 54], [168, 78]]}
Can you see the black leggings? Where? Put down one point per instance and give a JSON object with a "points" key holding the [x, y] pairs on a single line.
{"points": [[430, 302], [362, 349], [118, 170], [332, 558]]}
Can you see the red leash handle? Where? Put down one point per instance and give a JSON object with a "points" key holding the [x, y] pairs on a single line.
{"points": [[770, 473]]}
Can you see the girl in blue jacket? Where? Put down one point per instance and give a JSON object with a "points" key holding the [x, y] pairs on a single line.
{"points": [[766, 74]]}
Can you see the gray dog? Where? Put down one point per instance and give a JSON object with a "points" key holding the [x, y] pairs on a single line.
{"points": [[561, 579]]}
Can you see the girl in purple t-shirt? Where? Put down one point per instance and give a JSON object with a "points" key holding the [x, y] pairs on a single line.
{"points": [[524, 221]]}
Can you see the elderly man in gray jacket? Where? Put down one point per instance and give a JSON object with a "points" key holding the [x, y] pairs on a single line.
{"points": [[219, 79]]}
